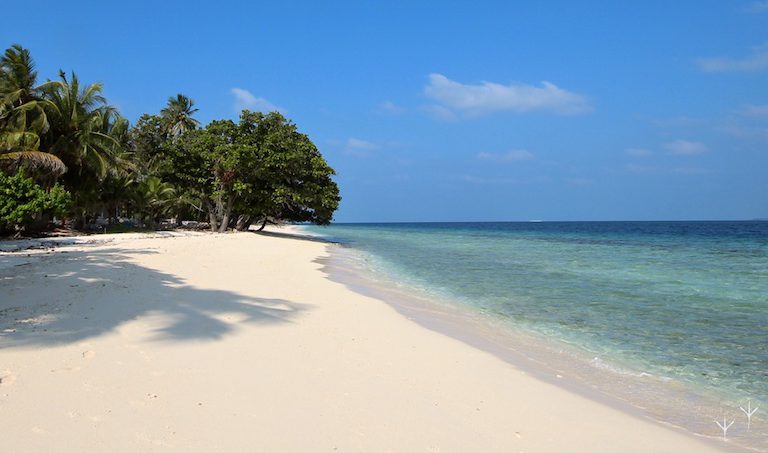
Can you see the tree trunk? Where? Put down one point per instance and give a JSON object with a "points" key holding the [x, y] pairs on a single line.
{"points": [[263, 224], [243, 222], [227, 213], [211, 215], [247, 225], [80, 221]]}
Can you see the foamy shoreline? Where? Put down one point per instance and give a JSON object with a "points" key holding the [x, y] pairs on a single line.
{"points": [[240, 342]]}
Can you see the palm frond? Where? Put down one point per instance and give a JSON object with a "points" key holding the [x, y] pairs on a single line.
{"points": [[11, 141]]}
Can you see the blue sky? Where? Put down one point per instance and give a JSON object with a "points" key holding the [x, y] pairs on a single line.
{"points": [[449, 111]]}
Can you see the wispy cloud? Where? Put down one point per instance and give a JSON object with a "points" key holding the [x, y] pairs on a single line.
{"points": [[488, 97], [514, 155], [755, 111], [679, 122], [755, 61], [439, 112], [637, 152], [358, 147], [640, 169], [757, 7], [580, 182], [746, 132], [650, 170], [692, 171], [244, 99], [492, 181], [685, 147], [390, 108]]}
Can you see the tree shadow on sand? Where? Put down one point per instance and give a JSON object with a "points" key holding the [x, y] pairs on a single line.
{"points": [[296, 236], [84, 294]]}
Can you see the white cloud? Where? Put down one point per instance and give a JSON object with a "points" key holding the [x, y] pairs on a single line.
{"points": [[357, 147], [743, 132], [244, 99], [640, 169], [756, 61], [692, 171], [515, 155], [756, 111], [679, 121], [390, 108], [757, 7], [580, 182], [356, 143], [493, 181], [655, 171], [685, 147], [637, 152], [440, 113], [488, 97]]}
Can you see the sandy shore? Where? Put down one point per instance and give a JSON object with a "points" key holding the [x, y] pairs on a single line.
{"points": [[239, 342]]}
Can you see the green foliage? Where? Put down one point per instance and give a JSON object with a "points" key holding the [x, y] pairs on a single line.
{"points": [[23, 118], [260, 168], [153, 199], [81, 128], [64, 132], [23, 203], [177, 116]]}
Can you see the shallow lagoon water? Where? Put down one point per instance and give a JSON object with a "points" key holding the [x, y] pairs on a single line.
{"points": [[684, 302]]}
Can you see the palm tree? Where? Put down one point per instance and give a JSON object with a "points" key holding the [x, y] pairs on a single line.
{"points": [[84, 134], [154, 198], [18, 75], [114, 191], [177, 116], [23, 118], [80, 127]]}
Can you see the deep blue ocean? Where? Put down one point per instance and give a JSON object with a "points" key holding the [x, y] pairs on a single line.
{"points": [[686, 301]]}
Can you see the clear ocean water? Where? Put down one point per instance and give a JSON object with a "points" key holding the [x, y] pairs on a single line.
{"points": [[687, 301]]}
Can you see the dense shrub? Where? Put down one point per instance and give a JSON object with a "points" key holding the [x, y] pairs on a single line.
{"points": [[24, 204]]}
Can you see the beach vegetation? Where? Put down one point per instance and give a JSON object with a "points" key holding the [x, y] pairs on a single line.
{"points": [[24, 204], [71, 154], [261, 169]]}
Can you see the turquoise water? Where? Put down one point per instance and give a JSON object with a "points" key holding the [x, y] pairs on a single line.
{"points": [[683, 300]]}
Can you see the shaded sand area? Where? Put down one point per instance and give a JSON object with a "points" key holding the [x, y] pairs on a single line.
{"points": [[239, 343]]}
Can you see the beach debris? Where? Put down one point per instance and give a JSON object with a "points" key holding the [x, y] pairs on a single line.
{"points": [[749, 412], [725, 427]]}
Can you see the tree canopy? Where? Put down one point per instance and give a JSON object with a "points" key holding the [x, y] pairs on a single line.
{"points": [[66, 139], [260, 169]]}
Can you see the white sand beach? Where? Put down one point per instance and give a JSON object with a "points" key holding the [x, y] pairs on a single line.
{"points": [[194, 342]]}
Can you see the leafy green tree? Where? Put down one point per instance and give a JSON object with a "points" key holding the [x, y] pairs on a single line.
{"points": [[147, 139], [24, 204], [260, 169], [288, 180]]}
